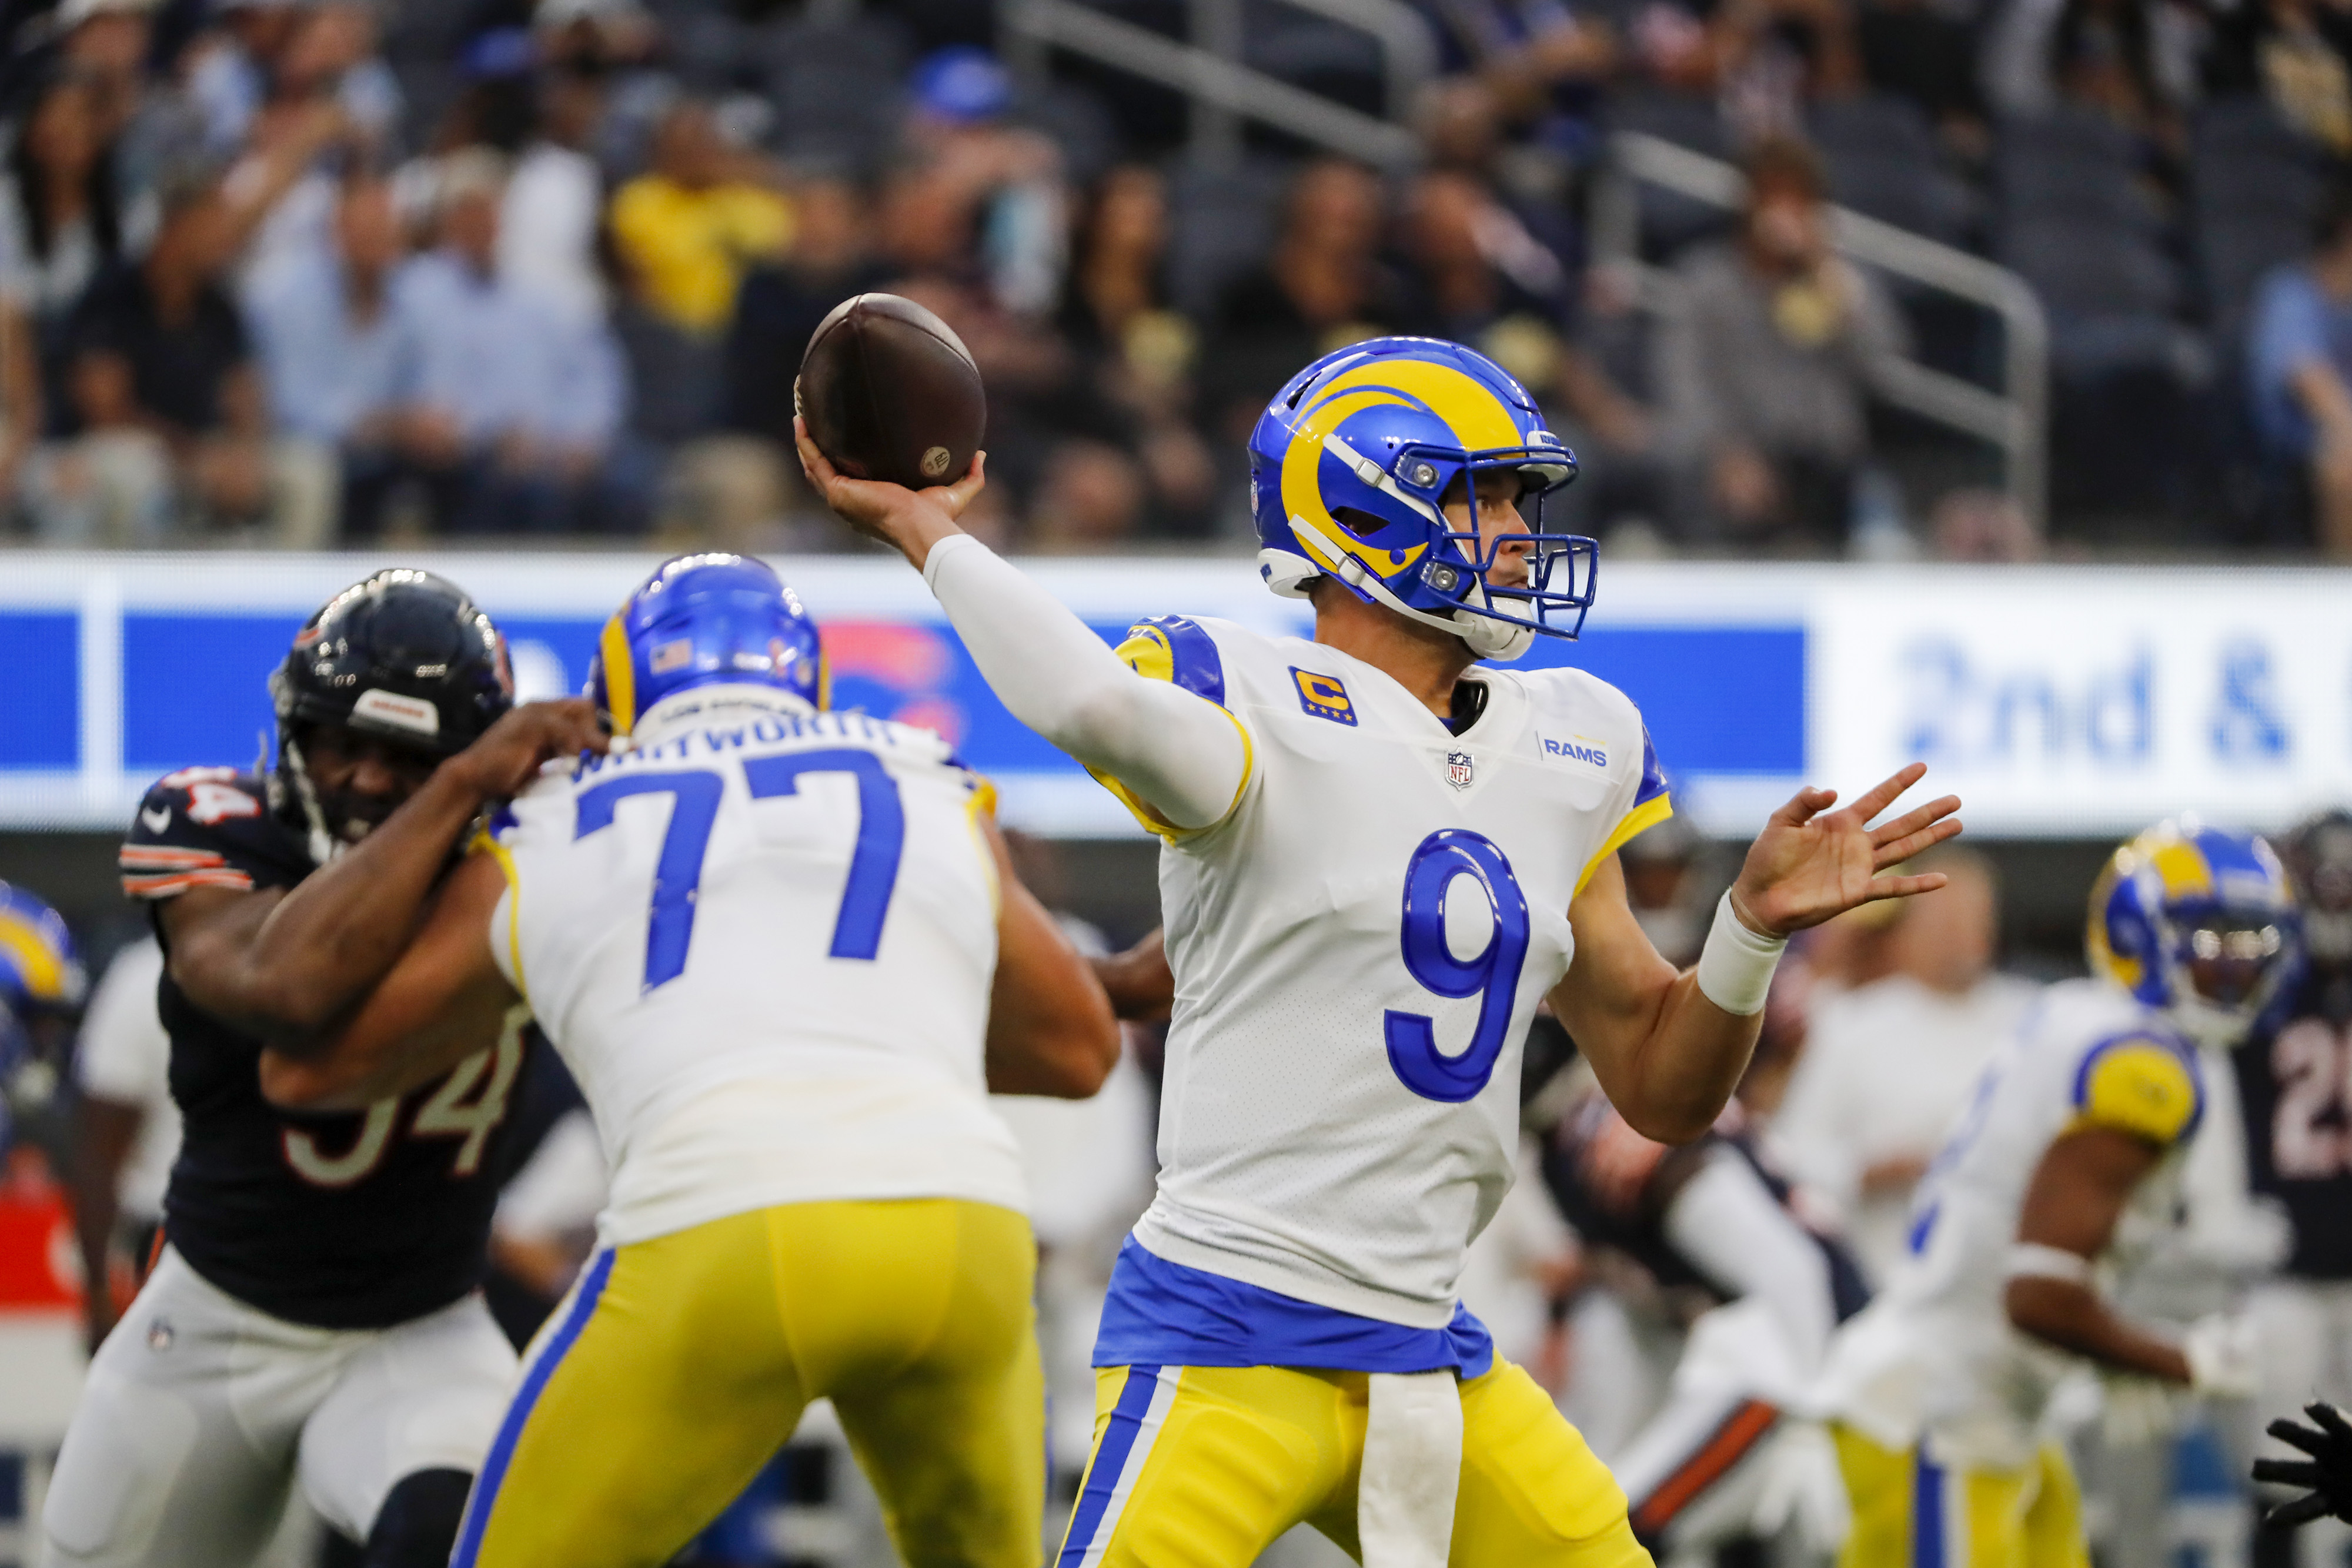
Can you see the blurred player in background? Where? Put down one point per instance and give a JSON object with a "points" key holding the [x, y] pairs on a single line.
{"points": [[126, 1130], [42, 986], [2064, 1171], [2295, 1081], [1727, 1454], [784, 954], [1283, 1341], [313, 1315]]}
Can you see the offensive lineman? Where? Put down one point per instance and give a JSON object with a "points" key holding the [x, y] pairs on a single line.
{"points": [[1377, 864], [784, 955], [2062, 1171], [314, 1317]]}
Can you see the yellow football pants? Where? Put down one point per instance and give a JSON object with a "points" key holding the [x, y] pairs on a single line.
{"points": [[679, 1366], [1909, 1512], [1203, 1467]]}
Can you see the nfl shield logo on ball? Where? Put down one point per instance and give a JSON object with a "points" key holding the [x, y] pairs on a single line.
{"points": [[1458, 765], [935, 462]]}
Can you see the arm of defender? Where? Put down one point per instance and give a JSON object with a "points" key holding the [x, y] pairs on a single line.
{"points": [[281, 964], [1141, 986], [2077, 1193], [1177, 752], [104, 1131], [1050, 1029], [443, 1000]]}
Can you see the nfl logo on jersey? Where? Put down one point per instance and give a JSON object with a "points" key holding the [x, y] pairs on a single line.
{"points": [[1458, 765]]}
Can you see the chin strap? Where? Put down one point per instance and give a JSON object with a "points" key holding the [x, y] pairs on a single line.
{"points": [[323, 844], [1488, 637]]}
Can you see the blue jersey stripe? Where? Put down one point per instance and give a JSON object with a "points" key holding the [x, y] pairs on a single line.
{"points": [[1110, 1462], [1927, 1514], [534, 1382], [1654, 777]]}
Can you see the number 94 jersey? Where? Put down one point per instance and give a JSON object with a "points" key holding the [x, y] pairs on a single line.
{"points": [[763, 941], [1359, 946]]}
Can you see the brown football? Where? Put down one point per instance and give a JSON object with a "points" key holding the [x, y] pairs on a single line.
{"points": [[889, 392]]}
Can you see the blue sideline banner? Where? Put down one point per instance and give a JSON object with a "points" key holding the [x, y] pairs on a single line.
{"points": [[2058, 701]]}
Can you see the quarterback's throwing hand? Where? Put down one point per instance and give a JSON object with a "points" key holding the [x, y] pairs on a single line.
{"points": [[1807, 866], [910, 521], [2327, 1473]]}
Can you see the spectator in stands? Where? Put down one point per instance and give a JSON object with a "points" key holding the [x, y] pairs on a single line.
{"points": [[1090, 497], [510, 408], [1325, 285], [1765, 366], [228, 67], [1545, 63], [555, 200], [780, 304], [62, 219], [689, 229], [1888, 1065], [331, 347], [1134, 353], [1773, 57], [2300, 371], [2298, 56], [172, 415]]}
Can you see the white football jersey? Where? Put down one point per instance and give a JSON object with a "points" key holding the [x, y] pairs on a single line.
{"points": [[1935, 1353], [763, 941], [1358, 947]]}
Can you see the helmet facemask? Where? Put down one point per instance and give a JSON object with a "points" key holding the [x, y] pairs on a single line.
{"points": [[2228, 967]]}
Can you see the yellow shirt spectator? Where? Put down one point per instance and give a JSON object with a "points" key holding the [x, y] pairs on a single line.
{"points": [[689, 246]]}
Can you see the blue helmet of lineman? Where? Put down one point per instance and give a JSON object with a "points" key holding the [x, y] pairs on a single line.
{"points": [[2199, 923], [1350, 469], [704, 620]]}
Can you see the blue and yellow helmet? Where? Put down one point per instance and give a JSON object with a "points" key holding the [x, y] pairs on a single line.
{"points": [[39, 971], [1349, 470], [2199, 923], [704, 620]]}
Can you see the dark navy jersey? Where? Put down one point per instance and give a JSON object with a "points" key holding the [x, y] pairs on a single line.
{"points": [[342, 1220], [1614, 1186], [2295, 1081]]}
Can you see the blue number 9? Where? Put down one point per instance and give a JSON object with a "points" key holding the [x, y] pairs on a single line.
{"points": [[1493, 975]]}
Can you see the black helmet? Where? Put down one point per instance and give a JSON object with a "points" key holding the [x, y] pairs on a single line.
{"points": [[403, 656]]}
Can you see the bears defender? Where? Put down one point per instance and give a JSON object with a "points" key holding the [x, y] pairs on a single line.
{"points": [[313, 1318], [2063, 1170], [1377, 862], [784, 955]]}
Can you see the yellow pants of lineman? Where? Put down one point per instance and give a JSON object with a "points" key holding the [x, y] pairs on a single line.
{"points": [[1909, 1512], [678, 1366], [1211, 1472]]}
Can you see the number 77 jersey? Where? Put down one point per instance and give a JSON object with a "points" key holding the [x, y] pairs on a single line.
{"points": [[1359, 946], [763, 941]]}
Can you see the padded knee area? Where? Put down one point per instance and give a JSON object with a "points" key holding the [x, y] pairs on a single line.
{"points": [[417, 1526]]}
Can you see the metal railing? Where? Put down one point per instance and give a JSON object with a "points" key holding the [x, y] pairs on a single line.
{"points": [[1223, 91], [2015, 419]]}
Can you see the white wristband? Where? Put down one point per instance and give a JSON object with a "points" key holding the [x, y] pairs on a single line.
{"points": [[2035, 1260], [1734, 967]]}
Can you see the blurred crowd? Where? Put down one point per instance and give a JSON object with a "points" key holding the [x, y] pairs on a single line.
{"points": [[310, 272]]}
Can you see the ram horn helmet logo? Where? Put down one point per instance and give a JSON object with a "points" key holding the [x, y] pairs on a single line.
{"points": [[1458, 766]]}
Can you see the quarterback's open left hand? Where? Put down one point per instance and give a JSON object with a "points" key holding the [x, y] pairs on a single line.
{"points": [[1806, 867], [2327, 1473]]}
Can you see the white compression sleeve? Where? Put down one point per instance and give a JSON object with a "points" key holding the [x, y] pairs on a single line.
{"points": [[1182, 753], [1727, 1222]]}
